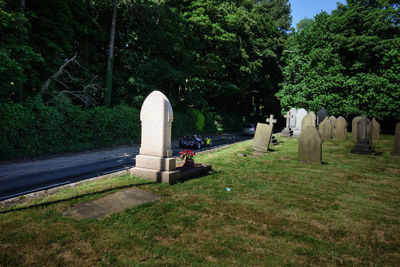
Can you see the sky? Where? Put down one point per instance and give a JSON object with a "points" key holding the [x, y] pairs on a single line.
{"points": [[310, 8]]}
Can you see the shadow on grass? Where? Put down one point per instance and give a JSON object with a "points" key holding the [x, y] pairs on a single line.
{"points": [[45, 204]]}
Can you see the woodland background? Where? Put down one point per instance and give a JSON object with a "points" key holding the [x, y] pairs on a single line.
{"points": [[74, 73]]}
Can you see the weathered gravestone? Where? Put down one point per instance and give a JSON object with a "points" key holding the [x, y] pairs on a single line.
{"points": [[310, 145], [287, 132], [262, 137], [363, 145], [325, 129], [396, 148], [321, 115], [292, 119], [155, 161], [341, 128], [312, 113], [308, 120], [332, 120], [300, 114], [270, 122], [376, 128], [354, 128]]}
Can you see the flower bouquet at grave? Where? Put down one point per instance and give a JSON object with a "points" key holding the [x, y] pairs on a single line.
{"points": [[187, 157]]}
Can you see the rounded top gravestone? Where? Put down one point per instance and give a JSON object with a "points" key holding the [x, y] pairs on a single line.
{"points": [[376, 128], [354, 128], [325, 129], [300, 114], [156, 116], [321, 115], [341, 128]]}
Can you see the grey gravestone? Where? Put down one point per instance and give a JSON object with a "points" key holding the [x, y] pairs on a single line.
{"points": [[310, 145], [300, 114], [396, 148], [341, 128], [292, 119], [332, 120], [354, 128], [308, 120], [271, 122], [325, 129], [363, 145], [321, 115], [376, 128], [262, 137], [287, 132]]}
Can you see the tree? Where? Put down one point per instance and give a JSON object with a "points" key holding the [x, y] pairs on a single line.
{"points": [[108, 90], [346, 62]]}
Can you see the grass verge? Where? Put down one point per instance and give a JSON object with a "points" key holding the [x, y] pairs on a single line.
{"points": [[278, 212]]}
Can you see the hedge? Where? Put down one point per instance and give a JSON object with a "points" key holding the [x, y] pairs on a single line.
{"points": [[33, 129]]}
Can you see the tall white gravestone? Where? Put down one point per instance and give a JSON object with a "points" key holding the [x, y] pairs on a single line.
{"points": [[155, 161], [292, 119], [300, 114]]}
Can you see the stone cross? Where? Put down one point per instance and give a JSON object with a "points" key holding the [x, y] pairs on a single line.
{"points": [[271, 120], [287, 116]]}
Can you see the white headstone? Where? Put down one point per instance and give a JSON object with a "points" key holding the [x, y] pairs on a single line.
{"points": [[155, 161], [156, 116], [300, 114], [292, 119]]}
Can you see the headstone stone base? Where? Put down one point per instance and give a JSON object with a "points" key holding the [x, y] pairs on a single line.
{"points": [[362, 148], [170, 177], [286, 132], [274, 141]]}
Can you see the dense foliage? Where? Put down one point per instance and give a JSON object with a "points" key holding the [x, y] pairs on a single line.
{"points": [[347, 62]]}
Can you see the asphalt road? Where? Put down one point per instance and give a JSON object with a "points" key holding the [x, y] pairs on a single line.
{"points": [[23, 178]]}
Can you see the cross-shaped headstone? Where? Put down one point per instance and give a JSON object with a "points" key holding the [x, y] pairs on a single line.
{"points": [[271, 120], [287, 116]]}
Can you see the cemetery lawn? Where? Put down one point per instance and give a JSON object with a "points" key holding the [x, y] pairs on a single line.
{"points": [[278, 212]]}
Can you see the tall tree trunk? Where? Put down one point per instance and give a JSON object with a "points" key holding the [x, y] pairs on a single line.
{"points": [[107, 95]]}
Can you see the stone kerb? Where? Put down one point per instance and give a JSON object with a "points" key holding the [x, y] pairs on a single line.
{"points": [[155, 162]]}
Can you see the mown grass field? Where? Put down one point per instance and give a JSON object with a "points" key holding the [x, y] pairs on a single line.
{"points": [[278, 212]]}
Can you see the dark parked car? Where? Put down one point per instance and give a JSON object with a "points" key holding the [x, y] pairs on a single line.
{"points": [[249, 129], [195, 141]]}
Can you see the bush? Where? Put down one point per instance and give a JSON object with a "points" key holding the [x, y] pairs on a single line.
{"points": [[33, 129]]}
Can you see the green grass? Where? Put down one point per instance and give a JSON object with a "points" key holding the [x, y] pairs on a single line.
{"points": [[278, 212]]}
